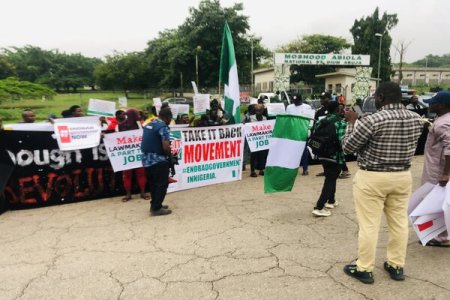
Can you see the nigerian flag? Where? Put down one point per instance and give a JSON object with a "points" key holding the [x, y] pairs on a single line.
{"points": [[229, 76], [285, 152]]}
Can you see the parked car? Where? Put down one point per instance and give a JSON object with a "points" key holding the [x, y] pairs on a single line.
{"points": [[178, 100]]}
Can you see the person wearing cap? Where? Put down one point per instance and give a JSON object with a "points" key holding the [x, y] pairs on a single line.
{"points": [[324, 97], [436, 168], [385, 143]]}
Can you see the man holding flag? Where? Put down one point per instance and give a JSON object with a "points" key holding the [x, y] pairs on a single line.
{"points": [[229, 76]]}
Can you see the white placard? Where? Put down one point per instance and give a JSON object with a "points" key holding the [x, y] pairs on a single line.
{"points": [[124, 149], [123, 102], [77, 133], [157, 104], [99, 107], [258, 134], [194, 87], [179, 109], [274, 109], [201, 104]]}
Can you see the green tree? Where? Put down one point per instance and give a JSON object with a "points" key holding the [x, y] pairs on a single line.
{"points": [[366, 42], [174, 52], [122, 71], [434, 61], [315, 43], [53, 68], [7, 69], [15, 89]]}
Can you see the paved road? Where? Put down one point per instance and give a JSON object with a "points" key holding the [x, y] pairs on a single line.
{"points": [[228, 241]]}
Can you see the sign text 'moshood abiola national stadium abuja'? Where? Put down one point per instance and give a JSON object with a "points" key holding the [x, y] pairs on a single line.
{"points": [[322, 59]]}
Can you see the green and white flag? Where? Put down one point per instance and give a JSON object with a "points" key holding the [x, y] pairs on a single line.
{"points": [[285, 152], [229, 76]]}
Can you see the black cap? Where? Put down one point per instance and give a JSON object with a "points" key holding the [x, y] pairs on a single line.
{"points": [[325, 95]]}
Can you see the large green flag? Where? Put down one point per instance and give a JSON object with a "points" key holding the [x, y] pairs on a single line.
{"points": [[285, 152], [229, 76]]}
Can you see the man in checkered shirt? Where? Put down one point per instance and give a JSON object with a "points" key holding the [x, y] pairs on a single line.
{"points": [[385, 143]]}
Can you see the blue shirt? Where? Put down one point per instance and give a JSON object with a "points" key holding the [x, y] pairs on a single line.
{"points": [[150, 159]]}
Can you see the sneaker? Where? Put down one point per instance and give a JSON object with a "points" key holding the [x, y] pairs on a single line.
{"points": [[253, 174], [364, 277], [321, 174], [261, 173], [305, 173], [321, 212], [160, 212], [395, 273], [165, 206], [331, 205]]}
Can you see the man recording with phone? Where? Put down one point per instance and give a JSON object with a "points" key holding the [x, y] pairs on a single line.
{"points": [[385, 142], [156, 152]]}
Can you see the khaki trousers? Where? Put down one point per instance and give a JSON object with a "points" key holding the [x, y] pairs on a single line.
{"points": [[375, 192]]}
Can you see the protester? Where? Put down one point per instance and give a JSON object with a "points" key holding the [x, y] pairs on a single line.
{"points": [[132, 122], [324, 97], [437, 152], [385, 143], [298, 108], [76, 111], [217, 116], [119, 118], [66, 113], [258, 158], [152, 116], [28, 116], [155, 149], [331, 165]]}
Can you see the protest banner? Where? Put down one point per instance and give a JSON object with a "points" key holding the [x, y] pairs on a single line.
{"points": [[77, 133], [244, 96], [124, 149], [104, 108], [209, 155], [274, 109], [44, 175], [258, 134], [201, 104]]}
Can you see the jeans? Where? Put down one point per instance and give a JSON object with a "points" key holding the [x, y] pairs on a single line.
{"points": [[157, 176], [304, 162], [332, 171]]}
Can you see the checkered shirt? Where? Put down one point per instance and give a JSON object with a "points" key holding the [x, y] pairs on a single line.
{"points": [[386, 140]]}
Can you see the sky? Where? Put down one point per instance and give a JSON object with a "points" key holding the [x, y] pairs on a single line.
{"points": [[96, 28]]}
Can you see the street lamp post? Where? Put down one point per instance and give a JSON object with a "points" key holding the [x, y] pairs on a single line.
{"points": [[380, 35], [251, 57], [197, 50]]}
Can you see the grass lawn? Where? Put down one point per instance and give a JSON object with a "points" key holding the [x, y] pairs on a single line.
{"points": [[11, 111]]}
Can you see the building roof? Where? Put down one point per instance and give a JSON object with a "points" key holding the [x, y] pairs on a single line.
{"points": [[263, 70]]}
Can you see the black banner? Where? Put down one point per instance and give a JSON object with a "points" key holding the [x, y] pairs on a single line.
{"points": [[41, 174]]}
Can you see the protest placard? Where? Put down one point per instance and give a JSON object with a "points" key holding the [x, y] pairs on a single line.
{"points": [[77, 133], [258, 134], [123, 102], [179, 109], [124, 149], [201, 104], [98, 107], [274, 109]]}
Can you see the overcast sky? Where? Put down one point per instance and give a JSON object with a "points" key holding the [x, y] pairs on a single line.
{"points": [[97, 27]]}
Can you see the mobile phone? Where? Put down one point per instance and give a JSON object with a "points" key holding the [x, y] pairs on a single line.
{"points": [[357, 109]]}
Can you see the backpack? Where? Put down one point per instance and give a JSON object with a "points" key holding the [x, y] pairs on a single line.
{"points": [[324, 140]]}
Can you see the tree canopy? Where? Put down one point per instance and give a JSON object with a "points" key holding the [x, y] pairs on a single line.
{"points": [[366, 42], [315, 43], [434, 61], [15, 89], [58, 70]]}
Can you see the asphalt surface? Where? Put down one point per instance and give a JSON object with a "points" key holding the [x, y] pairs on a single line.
{"points": [[228, 241]]}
